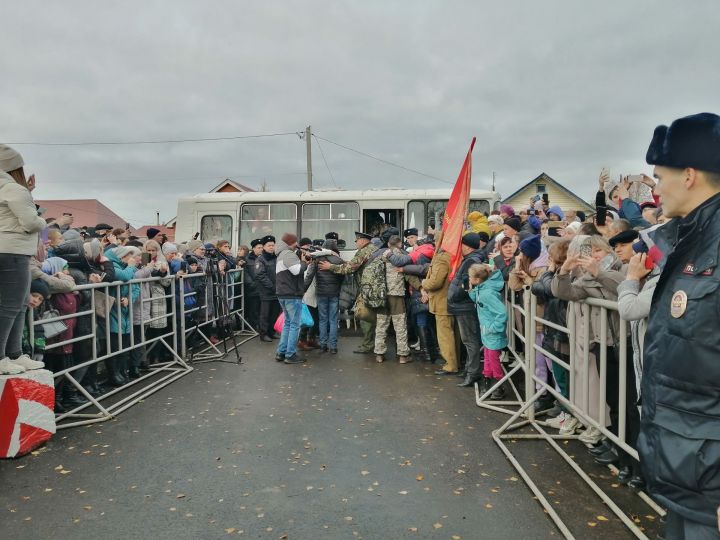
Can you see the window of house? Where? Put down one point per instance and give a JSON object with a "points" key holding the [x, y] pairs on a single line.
{"points": [[214, 228], [318, 219], [258, 220], [541, 188]]}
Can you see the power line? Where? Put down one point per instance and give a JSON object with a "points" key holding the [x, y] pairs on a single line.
{"points": [[169, 141], [217, 178], [382, 160], [325, 160]]}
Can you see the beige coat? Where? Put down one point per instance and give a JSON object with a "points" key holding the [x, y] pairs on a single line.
{"points": [[436, 283], [516, 283], [19, 222]]}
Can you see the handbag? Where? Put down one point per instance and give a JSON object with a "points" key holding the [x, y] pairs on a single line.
{"points": [[103, 302], [54, 328], [362, 312], [306, 318], [279, 323]]}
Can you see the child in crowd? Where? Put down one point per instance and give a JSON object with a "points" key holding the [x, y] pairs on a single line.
{"points": [[39, 292], [486, 292]]}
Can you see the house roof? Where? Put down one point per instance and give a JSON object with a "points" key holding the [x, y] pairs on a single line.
{"points": [[547, 178], [232, 183], [86, 212]]}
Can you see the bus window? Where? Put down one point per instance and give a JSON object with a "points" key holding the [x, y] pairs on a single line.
{"points": [[416, 216], [436, 210], [319, 219], [214, 228], [258, 220]]}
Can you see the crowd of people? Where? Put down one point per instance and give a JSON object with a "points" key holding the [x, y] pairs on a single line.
{"points": [[659, 254]]}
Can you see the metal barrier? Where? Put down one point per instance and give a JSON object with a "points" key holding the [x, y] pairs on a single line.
{"points": [[579, 367], [106, 306]]}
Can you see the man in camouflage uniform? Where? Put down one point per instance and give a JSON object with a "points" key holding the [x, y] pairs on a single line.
{"points": [[355, 266]]}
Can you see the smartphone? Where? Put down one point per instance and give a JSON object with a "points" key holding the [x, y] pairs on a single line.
{"points": [[586, 250], [634, 178], [554, 231], [102, 276], [145, 258], [546, 199]]}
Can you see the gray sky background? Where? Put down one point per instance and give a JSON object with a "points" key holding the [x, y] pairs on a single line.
{"points": [[564, 87]]}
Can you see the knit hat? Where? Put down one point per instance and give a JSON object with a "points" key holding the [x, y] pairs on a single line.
{"points": [[92, 249], [557, 211], [692, 141], [192, 245], [471, 240], [495, 219], [514, 223], [507, 209], [387, 233], [208, 245], [191, 259], [289, 238], [330, 244], [71, 234], [535, 223], [152, 233], [168, 248], [10, 160], [484, 237], [124, 251], [53, 265], [581, 216], [531, 247], [305, 241], [40, 287]]}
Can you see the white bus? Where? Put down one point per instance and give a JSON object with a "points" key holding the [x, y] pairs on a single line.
{"points": [[242, 217]]}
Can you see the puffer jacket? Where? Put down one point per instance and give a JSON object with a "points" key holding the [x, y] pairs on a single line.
{"points": [[458, 299], [155, 290], [19, 222], [123, 272], [491, 310], [289, 272], [249, 283], [327, 283]]}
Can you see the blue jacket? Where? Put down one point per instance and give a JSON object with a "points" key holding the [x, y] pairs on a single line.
{"points": [[123, 272], [491, 311]]}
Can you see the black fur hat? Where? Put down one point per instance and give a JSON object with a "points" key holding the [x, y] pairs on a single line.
{"points": [[692, 141], [332, 236]]}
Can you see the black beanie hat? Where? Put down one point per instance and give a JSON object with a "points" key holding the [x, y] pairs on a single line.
{"points": [[514, 223], [40, 287], [471, 240]]}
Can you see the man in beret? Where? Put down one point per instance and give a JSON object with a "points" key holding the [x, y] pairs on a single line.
{"points": [[355, 266], [622, 244], [679, 442]]}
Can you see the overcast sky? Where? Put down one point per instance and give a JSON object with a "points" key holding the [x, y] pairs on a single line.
{"points": [[563, 87]]}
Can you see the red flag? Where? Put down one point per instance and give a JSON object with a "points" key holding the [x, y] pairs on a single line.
{"points": [[457, 208]]}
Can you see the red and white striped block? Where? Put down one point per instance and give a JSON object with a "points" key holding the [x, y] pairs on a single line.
{"points": [[26, 411]]}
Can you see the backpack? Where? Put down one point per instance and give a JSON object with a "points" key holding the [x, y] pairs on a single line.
{"points": [[373, 284]]}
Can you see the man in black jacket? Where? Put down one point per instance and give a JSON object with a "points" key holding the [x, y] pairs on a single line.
{"points": [[327, 291], [463, 308], [265, 280], [679, 441], [251, 291]]}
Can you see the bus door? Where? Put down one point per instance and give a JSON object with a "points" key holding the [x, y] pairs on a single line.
{"points": [[375, 221]]}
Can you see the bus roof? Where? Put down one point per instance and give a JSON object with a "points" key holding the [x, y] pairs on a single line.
{"points": [[335, 195]]}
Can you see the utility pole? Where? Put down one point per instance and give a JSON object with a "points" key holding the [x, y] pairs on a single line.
{"points": [[157, 216], [308, 147], [493, 184]]}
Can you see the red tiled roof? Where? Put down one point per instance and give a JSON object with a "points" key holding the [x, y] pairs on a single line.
{"points": [[86, 212]]}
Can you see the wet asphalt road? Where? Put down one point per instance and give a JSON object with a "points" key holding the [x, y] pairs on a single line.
{"points": [[339, 447]]}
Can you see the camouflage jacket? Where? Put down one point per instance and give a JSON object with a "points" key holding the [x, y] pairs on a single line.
{"points": [[356, 264]]}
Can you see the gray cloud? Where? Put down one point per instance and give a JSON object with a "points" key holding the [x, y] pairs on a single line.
{"points": [[562, 87]]}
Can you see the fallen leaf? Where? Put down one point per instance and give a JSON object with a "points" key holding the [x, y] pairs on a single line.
{"points": [[488, 505], [364, 473], [420, 478], [230, 530], [412, 529], [403, 492], [88, 508], [180, 496], [437, 525], [455, 537], [348, 518], [592, 524], [602, 518]]}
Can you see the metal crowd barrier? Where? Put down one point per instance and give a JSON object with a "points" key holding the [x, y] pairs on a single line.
{"points": [[578, 367], [106, 345]]}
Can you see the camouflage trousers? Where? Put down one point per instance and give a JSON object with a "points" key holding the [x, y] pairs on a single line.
{"points": [[393, 313]]}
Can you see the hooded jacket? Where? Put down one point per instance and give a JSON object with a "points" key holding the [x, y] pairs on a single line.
{"points": [[327, 283], [19, 222], [491, 310], [289, 272], [123, 272]]}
